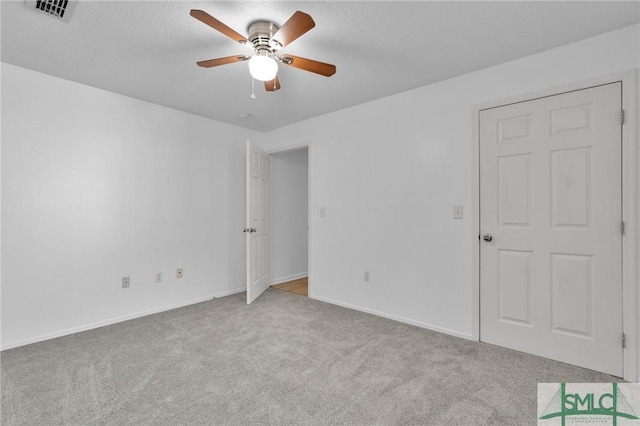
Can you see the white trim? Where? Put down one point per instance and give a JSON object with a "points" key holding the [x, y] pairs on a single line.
{"points": [[292, 147], [630, 215], [475, 234], [395, 318], [229, 293], [309, 217], [289, 278], [111, 321], [630, 209]]}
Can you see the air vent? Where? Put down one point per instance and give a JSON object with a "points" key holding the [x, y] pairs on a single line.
{"points": [[60, 9]]}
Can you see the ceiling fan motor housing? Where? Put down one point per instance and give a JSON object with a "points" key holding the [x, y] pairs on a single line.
{"points": [[260, 34]]}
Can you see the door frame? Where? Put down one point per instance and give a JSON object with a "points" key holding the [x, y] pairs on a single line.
{"points": [[295, 147], [630, 210]]}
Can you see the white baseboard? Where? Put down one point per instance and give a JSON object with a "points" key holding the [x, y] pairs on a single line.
{"points": [[111, 321], [396, 318], [229, 293], [288, 278]]}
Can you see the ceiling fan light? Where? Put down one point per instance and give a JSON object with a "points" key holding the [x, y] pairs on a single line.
{"points": [[263, 68]]}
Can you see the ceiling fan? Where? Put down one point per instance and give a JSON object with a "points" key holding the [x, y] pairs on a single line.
{"points": [[265, 38]]}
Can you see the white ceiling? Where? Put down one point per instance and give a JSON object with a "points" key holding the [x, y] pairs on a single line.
{"points": [[148, 50]]}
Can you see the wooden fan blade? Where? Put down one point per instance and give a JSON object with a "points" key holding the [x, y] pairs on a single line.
{"points": [[205, 18], [222, 61], [298, 24], [272, 85], [309, 65]]}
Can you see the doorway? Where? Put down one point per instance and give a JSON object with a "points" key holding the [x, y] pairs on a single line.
{"points": [[290, 220]]}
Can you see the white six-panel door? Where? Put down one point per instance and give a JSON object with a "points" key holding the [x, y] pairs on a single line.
{"points": [[550, 208], [258, 224]]}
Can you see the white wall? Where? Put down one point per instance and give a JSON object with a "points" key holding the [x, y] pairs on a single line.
{"points": [[388, 173], [97, 186], [289, 185]]}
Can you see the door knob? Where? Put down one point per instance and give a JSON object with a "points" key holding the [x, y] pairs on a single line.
{"points": [[487, 237]]}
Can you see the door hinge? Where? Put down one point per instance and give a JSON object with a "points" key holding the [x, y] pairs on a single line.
{"points": [[621, 116], [624, 340], [622, 227]]}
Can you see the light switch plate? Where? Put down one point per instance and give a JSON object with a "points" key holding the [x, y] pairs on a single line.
{"points": [[457, 212]]}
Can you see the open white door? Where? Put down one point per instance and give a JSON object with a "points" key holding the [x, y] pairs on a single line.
{"points": [[258, 223]]}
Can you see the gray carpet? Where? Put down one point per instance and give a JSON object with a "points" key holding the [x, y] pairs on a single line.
{"points": [[284, 360]]}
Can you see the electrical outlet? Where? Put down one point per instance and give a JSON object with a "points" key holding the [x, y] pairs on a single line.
{"points": [[125, 282], [179, 273], [366, 276], [158, 277]]}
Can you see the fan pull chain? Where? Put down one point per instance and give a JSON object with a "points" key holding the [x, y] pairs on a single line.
{"points": [[253, 88]]}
